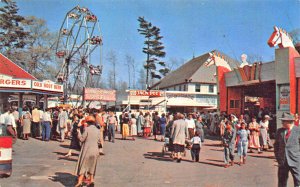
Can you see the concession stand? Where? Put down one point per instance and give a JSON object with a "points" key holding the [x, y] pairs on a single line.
{"points": [[16, 82]]}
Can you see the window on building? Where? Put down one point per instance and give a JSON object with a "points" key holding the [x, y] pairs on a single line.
{"points": [[237, 104], [174, 88], [184, 87], [234, 103], [211, 88], [167, 89], [179, 87], [197, 88]]}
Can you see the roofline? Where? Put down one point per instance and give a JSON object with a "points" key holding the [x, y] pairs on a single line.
{"points": [[19, 67], [187, 83]]}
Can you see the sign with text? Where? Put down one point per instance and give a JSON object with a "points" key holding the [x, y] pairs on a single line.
{"points": [[47, 85], [151, 93], [97, 94], [15, 83], [284, 97]]}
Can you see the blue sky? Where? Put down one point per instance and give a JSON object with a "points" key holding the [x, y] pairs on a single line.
{"points": [[188, 26]]}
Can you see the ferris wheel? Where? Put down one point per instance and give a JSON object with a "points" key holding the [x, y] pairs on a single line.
{"points": [[79, 37]]}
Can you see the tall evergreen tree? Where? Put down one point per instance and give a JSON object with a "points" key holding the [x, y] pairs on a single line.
{"points": [[154, 50], [12, 33]]}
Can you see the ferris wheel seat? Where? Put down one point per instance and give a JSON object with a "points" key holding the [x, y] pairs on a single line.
{"points": [[60, 54], [73, 16], [95, 40], [91, 18], [65, 31], [82, 9]]}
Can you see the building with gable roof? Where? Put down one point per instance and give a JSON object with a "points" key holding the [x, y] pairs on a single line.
{"points": [[16, 82], [191, 87]]}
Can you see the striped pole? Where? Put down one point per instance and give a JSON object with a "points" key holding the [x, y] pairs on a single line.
{"points": [[5, 155]]}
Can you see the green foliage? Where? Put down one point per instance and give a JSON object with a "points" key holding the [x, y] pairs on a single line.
{"points": [[37, 56], [12, 33], [153, 48]]}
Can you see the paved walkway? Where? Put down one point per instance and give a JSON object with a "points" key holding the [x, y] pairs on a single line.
{"points": [[137, 163]]}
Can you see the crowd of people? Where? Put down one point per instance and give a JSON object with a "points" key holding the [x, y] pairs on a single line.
{"points": [[179, 131]]}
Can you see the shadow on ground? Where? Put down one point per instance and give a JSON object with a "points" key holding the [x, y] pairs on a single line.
{"points": [[262, 156], [66, 179], [69, 158], [163, 157]]}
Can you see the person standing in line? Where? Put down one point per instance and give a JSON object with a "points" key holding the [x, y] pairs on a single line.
{"points": [[112, 122], [140, 124], [264, 127], [196, 146], [162, 122], [229, 144], [46, 125], [199, 128], [179, 134], [54, 133], [254, 135], [26, 123], [87, 161], [62, 123], [243, 143], [125, 131], [132, 124], [287, 151], [105, 120], [10, 124], [17, 121], [147, 125], [155, 128], [191, 125], [296, 120], [121, 116], [74, 145], [35, 125], [40, 123], [101, 124], [2, 121]]}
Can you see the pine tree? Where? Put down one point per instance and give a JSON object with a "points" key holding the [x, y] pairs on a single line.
{"points": [[12, 33], [154, 50]]}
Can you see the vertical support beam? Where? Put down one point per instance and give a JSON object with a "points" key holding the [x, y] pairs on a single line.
{"points": [[37, 100], [20, 103], [45, 102]]}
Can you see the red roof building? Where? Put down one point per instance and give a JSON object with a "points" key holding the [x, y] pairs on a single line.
{"points": [[9, 68]]}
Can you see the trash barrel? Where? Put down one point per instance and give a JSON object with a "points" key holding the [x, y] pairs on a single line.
{"points": [[5, 156]]}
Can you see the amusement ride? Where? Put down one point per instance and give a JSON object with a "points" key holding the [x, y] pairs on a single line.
{"points": [[78, 38]]}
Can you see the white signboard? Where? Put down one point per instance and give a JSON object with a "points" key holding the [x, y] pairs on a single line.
{"points": [[47, 86], [284, 97], [15, 83]]}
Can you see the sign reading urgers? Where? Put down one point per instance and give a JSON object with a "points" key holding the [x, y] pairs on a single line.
{"points": [[8, 83], [97, 94], [15, 83]]}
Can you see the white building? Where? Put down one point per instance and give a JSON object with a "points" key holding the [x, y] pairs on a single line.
{"points": [[191, 87]]}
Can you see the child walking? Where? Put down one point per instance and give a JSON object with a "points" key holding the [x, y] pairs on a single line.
{"points": [[243, 143], [196, 146], [229, 142]]}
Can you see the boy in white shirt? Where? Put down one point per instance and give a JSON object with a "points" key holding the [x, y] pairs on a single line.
{"points": [[196, 146]]}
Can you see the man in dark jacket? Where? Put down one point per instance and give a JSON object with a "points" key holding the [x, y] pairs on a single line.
{"points": [[287, 151]]}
